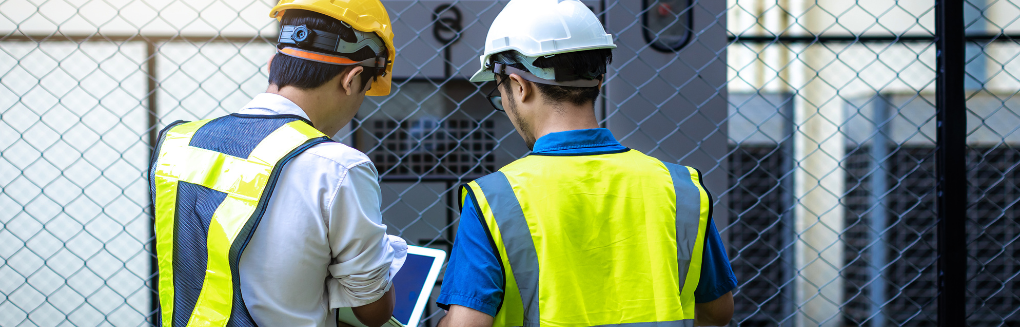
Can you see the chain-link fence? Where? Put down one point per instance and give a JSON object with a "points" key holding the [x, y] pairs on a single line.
{"points": [[814, 122]]}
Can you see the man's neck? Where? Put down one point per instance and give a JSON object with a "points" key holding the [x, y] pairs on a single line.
{"points": [[565, 117], [315, 105]]}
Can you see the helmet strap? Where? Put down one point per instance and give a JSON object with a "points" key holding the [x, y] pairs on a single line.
{"points": [[313, 39], [504, 69]]}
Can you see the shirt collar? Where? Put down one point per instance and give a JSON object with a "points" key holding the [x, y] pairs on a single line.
{"points": [[592, 138], [272, 104]]}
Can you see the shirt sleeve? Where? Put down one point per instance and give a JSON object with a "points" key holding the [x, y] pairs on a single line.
{"points": [[474, 276], [717, 276], [361, 251]]}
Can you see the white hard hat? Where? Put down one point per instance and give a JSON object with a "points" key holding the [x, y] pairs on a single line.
{"points": [[536, 28]]}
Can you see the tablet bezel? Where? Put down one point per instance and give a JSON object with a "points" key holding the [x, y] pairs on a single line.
{"points": [[439, 256]]}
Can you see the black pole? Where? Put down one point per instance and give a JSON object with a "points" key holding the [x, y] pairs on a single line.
{"points": [[152, 83], [950, 161], [442, 25]]}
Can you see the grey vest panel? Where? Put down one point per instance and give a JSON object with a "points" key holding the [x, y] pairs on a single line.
{"points": [[520, 248], [688, 217], [677, 323]]}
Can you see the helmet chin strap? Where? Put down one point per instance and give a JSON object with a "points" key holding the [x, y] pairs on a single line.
{"points": [[504, 69]]}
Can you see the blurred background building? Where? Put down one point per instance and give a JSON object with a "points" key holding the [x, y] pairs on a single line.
{"points": [[814, 122]]}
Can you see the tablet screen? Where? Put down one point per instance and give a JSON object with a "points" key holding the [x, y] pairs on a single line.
{"points": [[409, 283]]}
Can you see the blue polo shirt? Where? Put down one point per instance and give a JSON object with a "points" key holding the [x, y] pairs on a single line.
{"points": [[473, 277]]}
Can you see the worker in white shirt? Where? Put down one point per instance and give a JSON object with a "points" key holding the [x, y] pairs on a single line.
{"points": [[261, 219]]}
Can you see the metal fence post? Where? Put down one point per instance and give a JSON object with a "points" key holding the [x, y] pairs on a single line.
{"points": [[950, 162], [789, 208], [878, 217]]}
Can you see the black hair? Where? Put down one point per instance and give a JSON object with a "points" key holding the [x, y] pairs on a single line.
{"points": [[587, 63], [306, 74]]}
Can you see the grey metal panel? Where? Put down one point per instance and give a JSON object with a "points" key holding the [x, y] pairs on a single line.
{"points": [[420, 54], [672, 105], [422, 100], [414, 211]]}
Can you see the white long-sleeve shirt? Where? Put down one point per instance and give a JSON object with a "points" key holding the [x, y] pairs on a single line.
{"points": [[321, 244]]}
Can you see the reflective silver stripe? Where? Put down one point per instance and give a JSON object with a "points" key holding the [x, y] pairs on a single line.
{"points": [[678, 323], [688, 215], [520, 248]]}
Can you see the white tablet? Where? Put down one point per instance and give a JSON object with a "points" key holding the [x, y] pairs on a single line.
{"points": [[413, 287]]}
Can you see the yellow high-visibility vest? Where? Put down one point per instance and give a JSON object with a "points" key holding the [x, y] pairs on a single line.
{"points": [[589, 240], [210, 183]]}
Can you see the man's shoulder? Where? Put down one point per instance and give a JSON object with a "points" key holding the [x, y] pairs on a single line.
{"points": [[638, 160], [520, 164], [336, 153], [495, 174], [332, 160], [638, 157]]}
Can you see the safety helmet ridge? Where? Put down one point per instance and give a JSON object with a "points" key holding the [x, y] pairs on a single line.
{"points": [[362, 15], [536, 28]]}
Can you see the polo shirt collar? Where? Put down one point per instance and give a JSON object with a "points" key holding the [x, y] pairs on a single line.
{"points": [[577, 141], [272, 104]]}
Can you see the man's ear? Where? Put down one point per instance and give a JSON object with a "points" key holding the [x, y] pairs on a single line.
{"points": [[269, 64], [350, 78], [523, 89]]}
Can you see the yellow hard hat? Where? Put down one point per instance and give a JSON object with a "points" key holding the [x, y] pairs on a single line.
{"points": [[362, 15]]}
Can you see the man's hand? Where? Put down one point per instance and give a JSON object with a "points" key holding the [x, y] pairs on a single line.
{"points": [[715, 313], [377, 313], [459, 316]]}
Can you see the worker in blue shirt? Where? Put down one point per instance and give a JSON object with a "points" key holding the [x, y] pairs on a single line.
{"points": [[583, 231]]}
